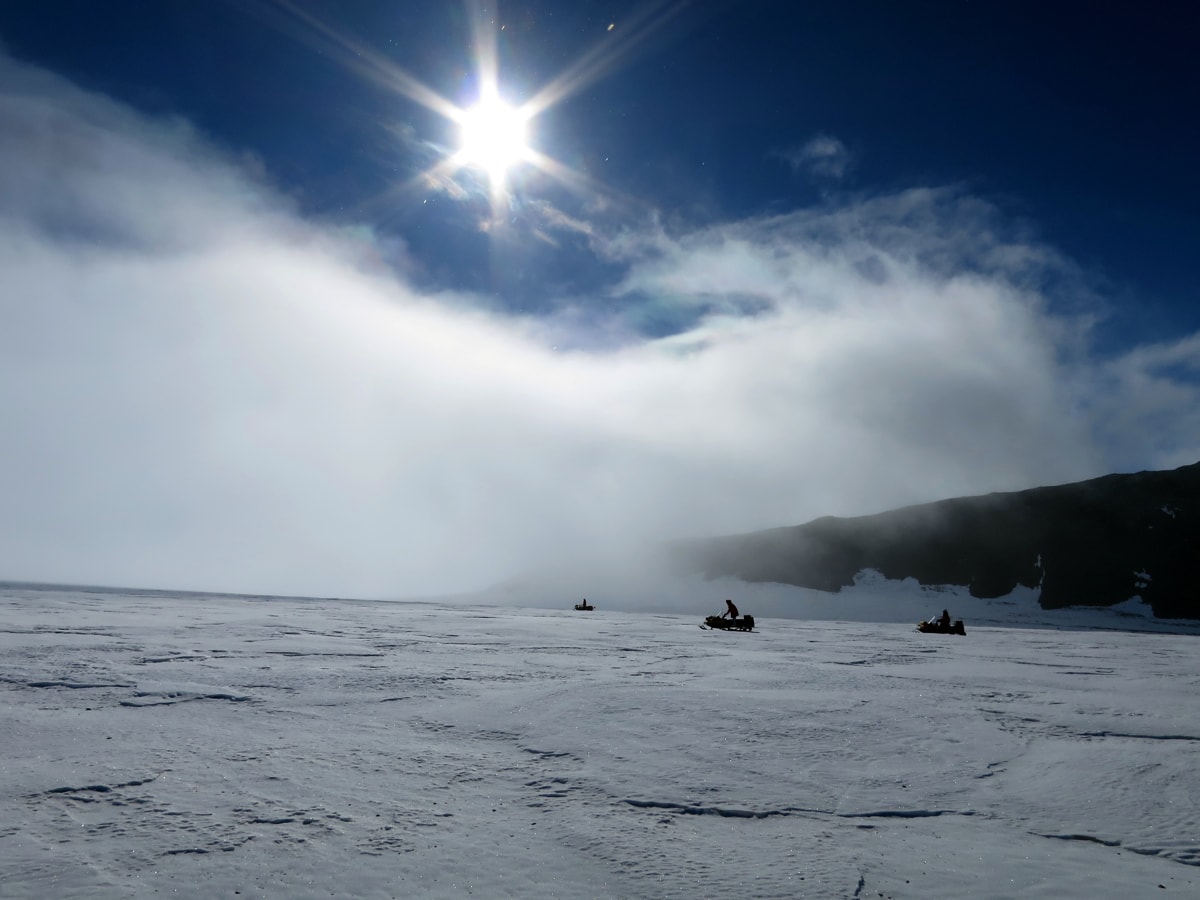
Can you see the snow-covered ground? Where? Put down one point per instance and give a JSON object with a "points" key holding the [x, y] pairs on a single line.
{"points": [[221, 746]]}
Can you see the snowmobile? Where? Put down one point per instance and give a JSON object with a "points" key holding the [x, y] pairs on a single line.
{"points": [[745, 623], [585, 605], [938, 628]]}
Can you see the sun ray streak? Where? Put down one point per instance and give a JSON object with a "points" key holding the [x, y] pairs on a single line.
{"points": [[583, 184], [361, 60], [606, 54], [483, 43]]}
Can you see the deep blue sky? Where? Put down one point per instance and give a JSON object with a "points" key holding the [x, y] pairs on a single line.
{"points": [[1077, 118]]}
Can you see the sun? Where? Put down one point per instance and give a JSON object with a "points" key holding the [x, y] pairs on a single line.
{"points": [[493, 136]]}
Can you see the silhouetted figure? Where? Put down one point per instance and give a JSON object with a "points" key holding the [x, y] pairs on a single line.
{"points": [[730, 610], [943, 621]]}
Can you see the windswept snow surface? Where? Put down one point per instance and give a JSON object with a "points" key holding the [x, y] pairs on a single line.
{"points": [[219, 746]]}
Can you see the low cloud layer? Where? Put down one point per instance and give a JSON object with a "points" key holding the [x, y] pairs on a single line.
{"points": [[200, 389]]}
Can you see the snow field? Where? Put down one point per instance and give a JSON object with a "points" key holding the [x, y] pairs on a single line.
{"points": [[223, 746]]}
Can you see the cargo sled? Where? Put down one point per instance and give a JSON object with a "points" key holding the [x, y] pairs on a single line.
{"points": [[745, 623], [935, 628]]}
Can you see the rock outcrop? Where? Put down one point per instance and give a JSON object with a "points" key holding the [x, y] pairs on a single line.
{"points": [[1094, 543]]}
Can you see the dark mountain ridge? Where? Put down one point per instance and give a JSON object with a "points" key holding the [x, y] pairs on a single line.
{"points": [[1093, 543]]}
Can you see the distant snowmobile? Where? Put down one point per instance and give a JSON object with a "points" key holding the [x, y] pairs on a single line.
{"points": [[745, 623], [584, 605], [938, 628]]}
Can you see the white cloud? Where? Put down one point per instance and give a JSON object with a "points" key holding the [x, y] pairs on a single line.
{"points": [[823, 156], [1146, 405], [198, 388]]}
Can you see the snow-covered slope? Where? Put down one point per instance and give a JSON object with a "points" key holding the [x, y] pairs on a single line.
{"points": [[224, 746]]}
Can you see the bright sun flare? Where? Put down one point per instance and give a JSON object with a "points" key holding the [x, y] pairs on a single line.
{"points": [[493, 136]]}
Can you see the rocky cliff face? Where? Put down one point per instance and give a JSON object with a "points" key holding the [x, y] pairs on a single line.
{"points": [[1094, 543]]}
